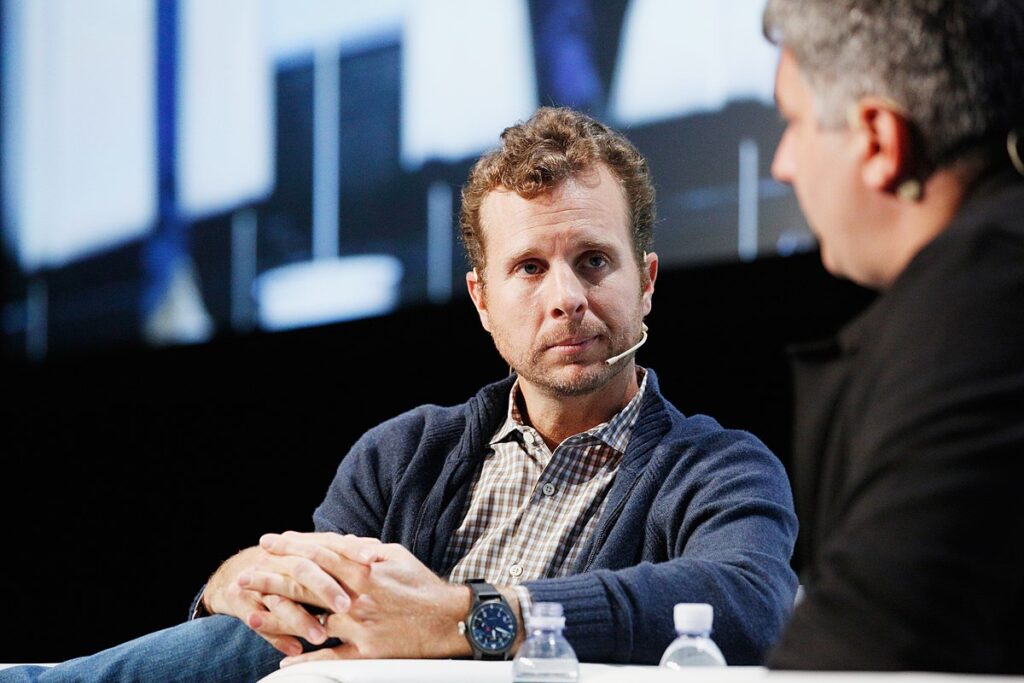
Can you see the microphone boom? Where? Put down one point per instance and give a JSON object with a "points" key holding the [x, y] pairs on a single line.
{"points": [[615, 359]]}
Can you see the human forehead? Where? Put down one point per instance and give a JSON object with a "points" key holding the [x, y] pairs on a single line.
{"points": [[586, 207], [793, 95]]}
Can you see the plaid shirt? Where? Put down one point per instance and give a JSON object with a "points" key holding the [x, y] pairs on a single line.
{"points": [[532, 510]]}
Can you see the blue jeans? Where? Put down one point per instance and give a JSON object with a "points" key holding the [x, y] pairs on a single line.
{"points": [[217, 648]]}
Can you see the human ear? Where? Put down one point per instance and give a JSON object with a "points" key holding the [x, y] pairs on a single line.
{"points": [[886, 138], [650, 274], [475, 285]]}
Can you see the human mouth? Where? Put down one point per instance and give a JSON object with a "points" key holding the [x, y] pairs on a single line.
{"points": [[572, 345]]}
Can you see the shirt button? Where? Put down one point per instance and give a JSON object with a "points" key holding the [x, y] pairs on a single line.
{"points": [[529, 438], [548, 489], [516, 570]]}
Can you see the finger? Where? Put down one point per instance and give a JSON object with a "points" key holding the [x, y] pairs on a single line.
{"points": [[356, 548], [343, 651], [242, 601], [302, 579], [269, 623], [287, 618], [364, 608], [359, 635], [328, 537], [286, 645], [267, 583], [321, 558], [363, 550], [262, 623]]}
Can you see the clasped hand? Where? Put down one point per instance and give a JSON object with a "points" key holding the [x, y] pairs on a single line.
{"points": [[381, 600]]}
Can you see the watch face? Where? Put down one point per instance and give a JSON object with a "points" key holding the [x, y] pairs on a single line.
{"points": [[492, 627]]}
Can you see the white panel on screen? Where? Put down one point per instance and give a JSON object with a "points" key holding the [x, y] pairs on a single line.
{"points": [[331, 287], [468, 73], [680, 57], [79, 124], [225, 113], [300, 27], [327, 291]]}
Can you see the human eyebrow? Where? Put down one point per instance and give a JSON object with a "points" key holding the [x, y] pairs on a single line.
{"points": [[581, 246], [524, 254], [589, 244]]}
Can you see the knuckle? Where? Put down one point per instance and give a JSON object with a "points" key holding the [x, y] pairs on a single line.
{"points": [[323, 557], [304, 568], [264, 625]]}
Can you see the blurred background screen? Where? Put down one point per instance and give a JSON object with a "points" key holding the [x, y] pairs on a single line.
{"points": [[175, 170]]}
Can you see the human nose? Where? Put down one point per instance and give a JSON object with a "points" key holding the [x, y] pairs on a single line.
{"points": [[782, 163], [568, 296]]}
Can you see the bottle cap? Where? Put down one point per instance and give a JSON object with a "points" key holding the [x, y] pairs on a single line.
{"points": [[545, 615], [693, 617]]}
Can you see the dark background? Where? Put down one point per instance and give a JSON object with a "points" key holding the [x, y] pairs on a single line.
{"points": [[131, 473]]}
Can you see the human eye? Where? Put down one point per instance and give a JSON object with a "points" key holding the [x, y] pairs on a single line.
{"points": [[595, 260], [528, 268]]}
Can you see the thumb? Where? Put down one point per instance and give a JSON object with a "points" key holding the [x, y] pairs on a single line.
{"points": [[343, 651]]}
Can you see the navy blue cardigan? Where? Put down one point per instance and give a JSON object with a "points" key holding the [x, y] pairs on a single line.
{"points": [[696, 513]]}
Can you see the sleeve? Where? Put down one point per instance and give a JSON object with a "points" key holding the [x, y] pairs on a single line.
{"points": [[360, 493], [922, 566], [196, 609], [728, 524]]}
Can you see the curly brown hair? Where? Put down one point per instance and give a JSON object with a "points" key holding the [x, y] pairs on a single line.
{"points": [[536, 156]]}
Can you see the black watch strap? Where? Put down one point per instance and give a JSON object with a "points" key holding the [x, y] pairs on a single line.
{"points": [[483, 591]]}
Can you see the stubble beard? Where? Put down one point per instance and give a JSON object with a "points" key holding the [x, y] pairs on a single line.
{"points": [[582, 380], [568, 379]]}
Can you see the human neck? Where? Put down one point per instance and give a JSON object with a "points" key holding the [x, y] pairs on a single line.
{"points": [[557, 418], [916, 224]]}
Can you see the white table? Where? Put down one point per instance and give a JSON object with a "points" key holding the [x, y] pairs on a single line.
{"points": [[464, 671]]}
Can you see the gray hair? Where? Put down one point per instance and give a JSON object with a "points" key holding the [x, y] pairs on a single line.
{"points": [[955, 67]]}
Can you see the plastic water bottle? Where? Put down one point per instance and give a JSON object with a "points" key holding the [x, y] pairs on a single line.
{"points": [[694, 646], [545, 656]]}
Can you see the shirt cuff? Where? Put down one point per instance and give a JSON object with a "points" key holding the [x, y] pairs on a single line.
{"points": [[525, 601], [198, 609]]}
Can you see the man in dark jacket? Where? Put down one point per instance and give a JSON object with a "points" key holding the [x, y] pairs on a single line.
{"points": [[571, 481], [902, 144], [575, 481]]}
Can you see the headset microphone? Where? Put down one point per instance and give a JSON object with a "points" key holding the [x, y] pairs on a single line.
{"points": [[615, 359]]}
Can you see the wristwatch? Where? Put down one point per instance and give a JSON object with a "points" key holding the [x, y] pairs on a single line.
{"points": [[491, 626]]}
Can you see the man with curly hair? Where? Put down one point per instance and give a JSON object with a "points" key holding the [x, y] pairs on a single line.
{"points": [[573, 480]]}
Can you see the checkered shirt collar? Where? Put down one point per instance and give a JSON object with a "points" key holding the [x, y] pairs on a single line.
{"points": [[614, 433]]}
